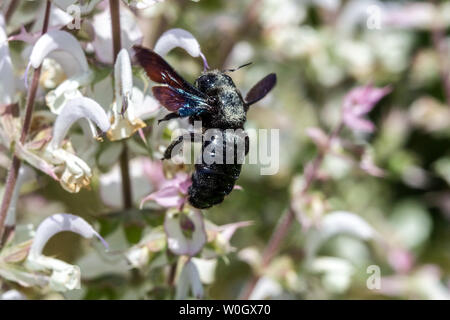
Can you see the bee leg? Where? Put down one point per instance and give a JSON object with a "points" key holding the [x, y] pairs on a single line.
{"points": [[172, 115], [168, 153]]}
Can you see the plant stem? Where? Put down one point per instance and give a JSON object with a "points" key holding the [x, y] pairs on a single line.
{"points": [[114, 7], [288, 217], [11, 8], [15, 165], [126, 181]]}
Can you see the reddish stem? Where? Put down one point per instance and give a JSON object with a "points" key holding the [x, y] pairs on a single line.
{"points": [[114, 8], [15, 165]]}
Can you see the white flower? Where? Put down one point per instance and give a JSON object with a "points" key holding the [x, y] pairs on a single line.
{"points": [[174, 38], [124, 121], [338, 222], [73, 172], [189, 280], [57, 40], [130, 35], [64, 276], [7, 86], [206, 269], [220, 237], [131, 105], [64, 49], [336, 273], [139, 255], [266, 288], [58, 18], [185, 232]]}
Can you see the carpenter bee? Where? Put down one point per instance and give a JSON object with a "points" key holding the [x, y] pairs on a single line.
{"points": [[216, 102]]}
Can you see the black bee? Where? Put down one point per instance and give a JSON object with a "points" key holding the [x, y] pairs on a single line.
{"points": [[217, 102]]}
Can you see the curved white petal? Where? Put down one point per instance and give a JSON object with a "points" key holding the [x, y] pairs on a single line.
{"points": [[75, 175], [206, 269], [56, 40], [189, 279], [58, 223], [177, 241], [73, 110], [123, 80], [7, 83], [69, 89], [58, 18], [266, 288], [336, 273], [64, 276], [338, 222], [346, 222], [179, 38]]}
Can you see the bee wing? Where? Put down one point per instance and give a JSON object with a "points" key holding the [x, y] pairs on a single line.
{"points": [[260, 89], [184, 103], [160, 71]]}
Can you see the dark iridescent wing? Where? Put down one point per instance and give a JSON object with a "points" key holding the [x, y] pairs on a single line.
{"points": [[260, 89], [175, 99], [179, 96], [160, 71]]}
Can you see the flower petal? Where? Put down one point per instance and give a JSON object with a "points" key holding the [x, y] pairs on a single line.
{"points": [[145, 106], [36, 161], [66, 91], [123, 80], [206, 269], [227, 231], [177, 241], [358, 124], [338, 222], [64, 276], [179, 38], [7, 86], [57, 40], [189, 279], [73, 110], [58, 223], [168, 197], [153, 170], [266, 288]]}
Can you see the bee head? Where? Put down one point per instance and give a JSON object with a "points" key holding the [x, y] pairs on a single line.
{"points": [[212, 80]]}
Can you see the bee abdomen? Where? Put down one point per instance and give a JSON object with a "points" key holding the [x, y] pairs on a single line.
{"points": [[211, 183]]}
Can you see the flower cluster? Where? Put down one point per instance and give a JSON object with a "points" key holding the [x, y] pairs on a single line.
{"points": [[359, 207]]}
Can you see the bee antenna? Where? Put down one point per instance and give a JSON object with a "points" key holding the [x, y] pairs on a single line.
{"points": [[240, 67]]}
